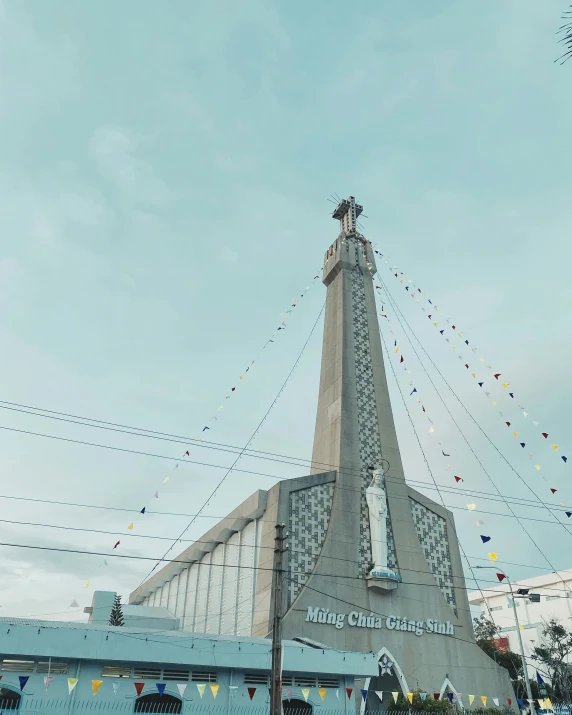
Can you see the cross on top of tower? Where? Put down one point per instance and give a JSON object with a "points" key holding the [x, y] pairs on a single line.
{"points": [[347, 211]]}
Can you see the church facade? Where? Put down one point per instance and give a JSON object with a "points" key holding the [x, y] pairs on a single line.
{"points": [[372, 564]]}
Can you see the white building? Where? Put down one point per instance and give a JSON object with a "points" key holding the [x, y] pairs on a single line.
{"points": [[555, 590]]}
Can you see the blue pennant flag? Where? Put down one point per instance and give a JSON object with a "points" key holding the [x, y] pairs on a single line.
{"points": [[481, 384], [521, 704], [161, 687], [142, 511], [484, 539], [568, 513], [539, 679], [450, 696], [364, 695], [523, 445], [412, 391], [466, 342], [564, 459], [23, 680]]}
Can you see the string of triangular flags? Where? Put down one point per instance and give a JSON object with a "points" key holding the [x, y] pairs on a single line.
{"points": [[445, 452], [288, 692], [435, 315], [230, 394]]}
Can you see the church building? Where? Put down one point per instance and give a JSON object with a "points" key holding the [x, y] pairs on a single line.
{"points": [[372, 565]]}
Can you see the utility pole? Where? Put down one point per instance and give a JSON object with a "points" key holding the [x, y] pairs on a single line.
{"points": [[524, 665], [276, 674]]}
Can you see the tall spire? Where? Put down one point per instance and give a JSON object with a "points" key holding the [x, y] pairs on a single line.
{"points": [[355, 430]]}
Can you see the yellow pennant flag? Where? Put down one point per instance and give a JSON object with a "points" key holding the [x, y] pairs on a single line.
{"points": [[214, 689], [305, 693], [471, 507], [505, 385], [435, 324], [395, 696], [548, 703], [201, 688], [481, 359], [396, 349], [474, 374], [525, 414], [484, 699], [168, 479], [96, 685], [410, 697], [495, 404], [515, 434], [87, 584], [322, 692], [72, 682], [493, 556], [471, 699], [130, 527], [554, 446], [454, 347], [431, 430], [538, 467], [460, 334]]}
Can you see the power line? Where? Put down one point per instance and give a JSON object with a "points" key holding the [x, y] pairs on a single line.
{"points": [[249, 440]]}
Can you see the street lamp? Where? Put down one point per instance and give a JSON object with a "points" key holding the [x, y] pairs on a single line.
{"points": [[522, 593]]}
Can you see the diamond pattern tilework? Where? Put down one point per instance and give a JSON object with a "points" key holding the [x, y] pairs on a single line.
{"points": [[308, 518], [369, 439], [432, 533]]}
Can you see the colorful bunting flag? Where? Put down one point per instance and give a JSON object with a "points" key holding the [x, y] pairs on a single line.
{"points": [[72, 682], [395, 696], [322, 692], [23, 680], [214, 689], [364, 695], [501, 576], [48, 681], [493, 556], [484, 539], [379, 694], [306, 693], [161, 688], [484, 700], [458, 479], [553, 490], [181, 687], [471, 698], [471, 507], [436, 696], [423, 696], [450, 696], [496, 701], [74, 604], [96, 685], [251, 692], [116, 687], [410, 697], [130, 527], [138, 688], [349, 692]]}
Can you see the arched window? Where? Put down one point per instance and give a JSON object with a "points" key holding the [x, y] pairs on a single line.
{"points": [[9, 700], [296, 707], [155, 703]]}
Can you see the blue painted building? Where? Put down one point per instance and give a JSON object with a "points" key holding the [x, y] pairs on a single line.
{"points": [[124, 669]]}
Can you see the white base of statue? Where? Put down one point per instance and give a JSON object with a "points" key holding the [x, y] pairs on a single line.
{"points": [[383, 580]]}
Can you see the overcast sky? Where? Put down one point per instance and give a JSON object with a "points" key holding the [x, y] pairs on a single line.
{"points": [[164, 176]]}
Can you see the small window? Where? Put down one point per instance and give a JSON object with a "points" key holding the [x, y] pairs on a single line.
{"points": [[256, 679], [175, 674], [328, 683], [147, 673], [303, 681], [496, 608], [116, 671], [53, 667], [18, 666], [205, 677]]}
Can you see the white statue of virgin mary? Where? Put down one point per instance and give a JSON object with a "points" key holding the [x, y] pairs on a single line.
{"points": [[377, 505]]}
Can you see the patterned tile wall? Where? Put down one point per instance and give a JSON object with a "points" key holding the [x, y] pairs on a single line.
{"points": [[369, 439], [309, 515], [432, 533]]}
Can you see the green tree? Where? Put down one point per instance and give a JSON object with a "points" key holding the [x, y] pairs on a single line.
{"points": [[566, 39], [116, 618], [486, 634], [552, 655]]}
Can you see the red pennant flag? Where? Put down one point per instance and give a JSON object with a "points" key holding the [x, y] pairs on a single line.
{"points": [[497, 375], [187, 453], [117, 544], [401, 359], [466, 366], [545, 435], [233, 389], [251, 692], [501, 576], [429, 316], [139, 687], [423, 408], [508, 424], [458, 479], [509, 701], [350, 690], [553, 490], [438, 695], [453, 327]]}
